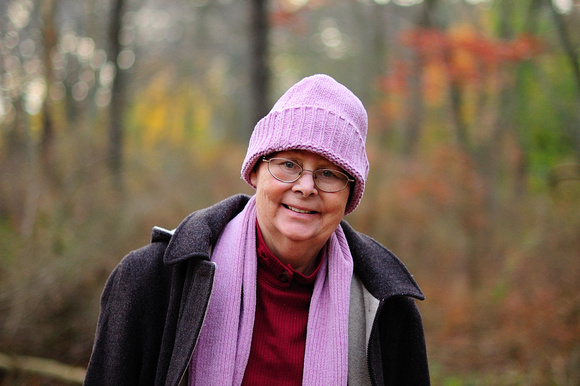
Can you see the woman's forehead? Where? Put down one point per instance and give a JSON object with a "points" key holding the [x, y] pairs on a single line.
{"points": [[303, 155]]}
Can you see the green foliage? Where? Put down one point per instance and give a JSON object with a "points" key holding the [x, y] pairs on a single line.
{"points": [[544, 121]]}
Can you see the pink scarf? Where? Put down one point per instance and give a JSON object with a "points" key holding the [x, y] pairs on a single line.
{"points": [[223, 348]]}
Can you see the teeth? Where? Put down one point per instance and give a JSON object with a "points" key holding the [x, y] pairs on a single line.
{"points": [[298, 210]]}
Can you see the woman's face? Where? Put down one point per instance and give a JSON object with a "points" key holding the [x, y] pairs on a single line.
{"points": [[297, 213]]}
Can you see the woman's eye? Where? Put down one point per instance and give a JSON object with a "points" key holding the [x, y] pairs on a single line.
{"points": [[326, 173], [288, 164], [329, 174]]}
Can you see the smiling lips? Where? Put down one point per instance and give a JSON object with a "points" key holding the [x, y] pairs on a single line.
{"points": [[298, 210]]}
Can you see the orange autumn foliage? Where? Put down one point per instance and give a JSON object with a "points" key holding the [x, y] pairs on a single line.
{"points": [[462, 54]]}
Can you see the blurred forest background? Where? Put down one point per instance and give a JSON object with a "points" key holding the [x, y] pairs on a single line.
{"points": [[118, 115]]}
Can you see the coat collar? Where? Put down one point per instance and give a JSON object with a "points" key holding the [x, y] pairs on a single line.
{"points": [[381, 272]]}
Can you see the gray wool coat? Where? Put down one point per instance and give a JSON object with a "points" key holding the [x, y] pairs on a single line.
{"points": [[154, 303]]}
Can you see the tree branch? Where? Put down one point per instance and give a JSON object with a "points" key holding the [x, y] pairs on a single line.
{"points": [[44, 367]]}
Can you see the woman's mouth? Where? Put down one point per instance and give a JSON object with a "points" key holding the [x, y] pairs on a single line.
{"points": [[293, 209]]}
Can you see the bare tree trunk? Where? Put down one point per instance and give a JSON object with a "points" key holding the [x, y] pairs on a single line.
{"points": [[456, 102], [416, 103], [48, 130], [118, 98], [16, 163], [522, 161], [17, 133], [379, 41], [572, 55], [415, 107], [488, 158], [260, 72]]}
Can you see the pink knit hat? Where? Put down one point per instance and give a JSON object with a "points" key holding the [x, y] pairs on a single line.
{"points": [[319, 115]]}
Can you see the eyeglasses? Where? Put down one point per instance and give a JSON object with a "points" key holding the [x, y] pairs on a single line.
{"points": [[326, 180]]}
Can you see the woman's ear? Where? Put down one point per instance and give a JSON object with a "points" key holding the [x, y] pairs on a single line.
{"points": [[253, 178], [254, 174]]}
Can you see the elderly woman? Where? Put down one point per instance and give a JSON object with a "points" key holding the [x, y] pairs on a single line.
{"points": [[273, 289]]}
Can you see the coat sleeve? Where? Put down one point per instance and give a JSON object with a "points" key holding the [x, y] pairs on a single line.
{"points": [[403, 349], [124, 343]]}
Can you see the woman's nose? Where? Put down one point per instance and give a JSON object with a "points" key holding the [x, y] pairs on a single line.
{"points": [[305, 184]]}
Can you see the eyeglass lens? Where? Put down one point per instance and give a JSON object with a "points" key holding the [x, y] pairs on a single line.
{"points": [[327, 180]]}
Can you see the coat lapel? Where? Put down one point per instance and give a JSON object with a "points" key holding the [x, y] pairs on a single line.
{"points": [[196, 295]]}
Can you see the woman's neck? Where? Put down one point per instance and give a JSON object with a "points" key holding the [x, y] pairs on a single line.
{"points": [[302, 256]]}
